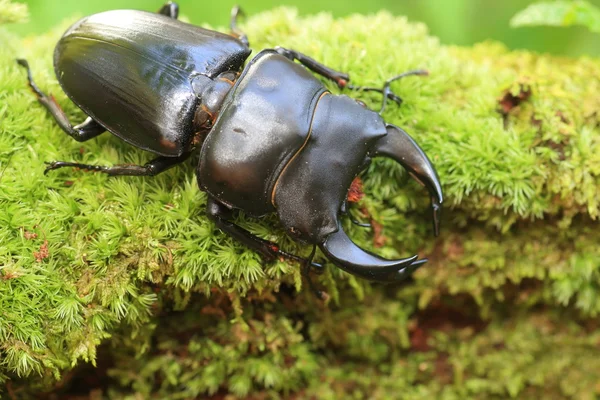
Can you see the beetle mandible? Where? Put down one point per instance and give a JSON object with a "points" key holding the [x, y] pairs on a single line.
{"points": [[272, 138]]}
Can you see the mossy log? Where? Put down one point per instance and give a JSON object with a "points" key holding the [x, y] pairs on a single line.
{"points": [[126, 275]]}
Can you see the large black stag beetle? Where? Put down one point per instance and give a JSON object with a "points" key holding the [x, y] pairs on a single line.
{"points": [[271, 137]]}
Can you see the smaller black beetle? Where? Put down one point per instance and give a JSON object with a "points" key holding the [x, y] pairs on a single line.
{"points": [[271, 137]]}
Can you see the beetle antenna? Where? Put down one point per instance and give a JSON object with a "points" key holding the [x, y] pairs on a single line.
{"points": [[387, 91], [345, 210], [237, 12], [357, 222], [361, 224]]}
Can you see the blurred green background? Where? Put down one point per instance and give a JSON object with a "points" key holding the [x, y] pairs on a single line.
{"points": [[461, 22]]}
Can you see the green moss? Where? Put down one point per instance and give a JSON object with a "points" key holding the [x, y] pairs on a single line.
{"points": [[539, 356], [507, 305], [12, 12]]}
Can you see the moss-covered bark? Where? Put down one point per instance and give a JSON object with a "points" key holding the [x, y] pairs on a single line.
{"points": [[507, 305]]}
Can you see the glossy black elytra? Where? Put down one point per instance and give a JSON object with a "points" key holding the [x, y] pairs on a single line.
{"points": [[271, 137]]}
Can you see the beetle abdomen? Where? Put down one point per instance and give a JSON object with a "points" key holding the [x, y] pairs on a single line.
{"points": [[309, 193], [264, 121], [132, 71]]}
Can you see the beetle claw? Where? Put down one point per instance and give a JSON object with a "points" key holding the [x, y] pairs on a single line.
{"points": [[344, 253], [406, 272], [403, 273], [398, 145]]}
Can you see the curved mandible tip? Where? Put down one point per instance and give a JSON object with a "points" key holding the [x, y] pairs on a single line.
{"points": [[398, 145], [344, 253]]}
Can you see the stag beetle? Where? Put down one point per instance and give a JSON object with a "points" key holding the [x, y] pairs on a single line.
{"points": [[272, 138]]}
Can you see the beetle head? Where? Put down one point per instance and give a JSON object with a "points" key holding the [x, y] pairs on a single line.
{"points": [[338, 247], [212, 93]]}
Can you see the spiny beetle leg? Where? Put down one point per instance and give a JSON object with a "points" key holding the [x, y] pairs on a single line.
{"points": [[82, 132], [170, 9], [236, 12], [154, 167], [220, 214], [317, 267]]}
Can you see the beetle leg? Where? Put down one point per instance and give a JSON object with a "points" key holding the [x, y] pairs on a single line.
{"points": [[82, 132], [398, 145], [170, 9], [151, 168], [236, 12], [220, 214]]}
